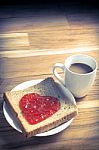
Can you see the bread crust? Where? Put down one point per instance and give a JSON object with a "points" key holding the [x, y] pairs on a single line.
{"points": [[15, 114], [51, 125]]}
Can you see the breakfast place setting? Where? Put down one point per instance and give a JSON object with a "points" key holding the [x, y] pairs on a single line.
{"points": [[37, 106], [49, 83]]}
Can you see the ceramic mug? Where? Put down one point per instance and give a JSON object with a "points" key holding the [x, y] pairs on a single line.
{"points": [[79, 84]]}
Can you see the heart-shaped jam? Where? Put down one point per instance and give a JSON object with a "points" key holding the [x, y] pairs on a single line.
{"points": [[36, 108]]}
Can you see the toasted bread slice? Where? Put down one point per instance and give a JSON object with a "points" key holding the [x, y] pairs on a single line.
{"points": [[47, 87]]}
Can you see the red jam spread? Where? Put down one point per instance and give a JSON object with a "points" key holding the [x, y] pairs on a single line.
{"points": [[36, 108]]}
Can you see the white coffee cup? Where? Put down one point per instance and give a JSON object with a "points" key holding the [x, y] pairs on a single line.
{"points": [[78, 84]]}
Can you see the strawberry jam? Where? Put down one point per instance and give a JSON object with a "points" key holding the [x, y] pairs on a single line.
{"points": [[36, 108]]}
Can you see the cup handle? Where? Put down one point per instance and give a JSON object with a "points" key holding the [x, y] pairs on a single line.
{"points": [[56, 74]]}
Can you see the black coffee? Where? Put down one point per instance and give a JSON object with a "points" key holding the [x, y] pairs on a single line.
{"points": [[80, 68]]}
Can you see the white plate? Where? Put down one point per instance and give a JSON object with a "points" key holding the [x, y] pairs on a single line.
{"points": [[13, 122]]}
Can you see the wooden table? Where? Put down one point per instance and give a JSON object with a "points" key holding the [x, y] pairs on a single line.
{"points": [[31, 42]]}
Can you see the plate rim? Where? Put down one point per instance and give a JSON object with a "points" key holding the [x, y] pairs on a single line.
{"points": [[47, 133]]}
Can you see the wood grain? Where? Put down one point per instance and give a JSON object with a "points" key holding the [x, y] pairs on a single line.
{"points": [[31, 42], [14, 41]]}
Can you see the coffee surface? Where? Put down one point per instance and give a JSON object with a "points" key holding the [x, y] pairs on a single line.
{"points": [[80, 68]]}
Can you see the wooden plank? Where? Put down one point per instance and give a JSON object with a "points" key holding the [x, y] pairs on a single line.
{"points": [[25, 24], [45, 52], [13, 41], [24, 66]]}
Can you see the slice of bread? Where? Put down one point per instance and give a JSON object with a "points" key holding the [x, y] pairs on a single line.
{"points": [[47, 87]]}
